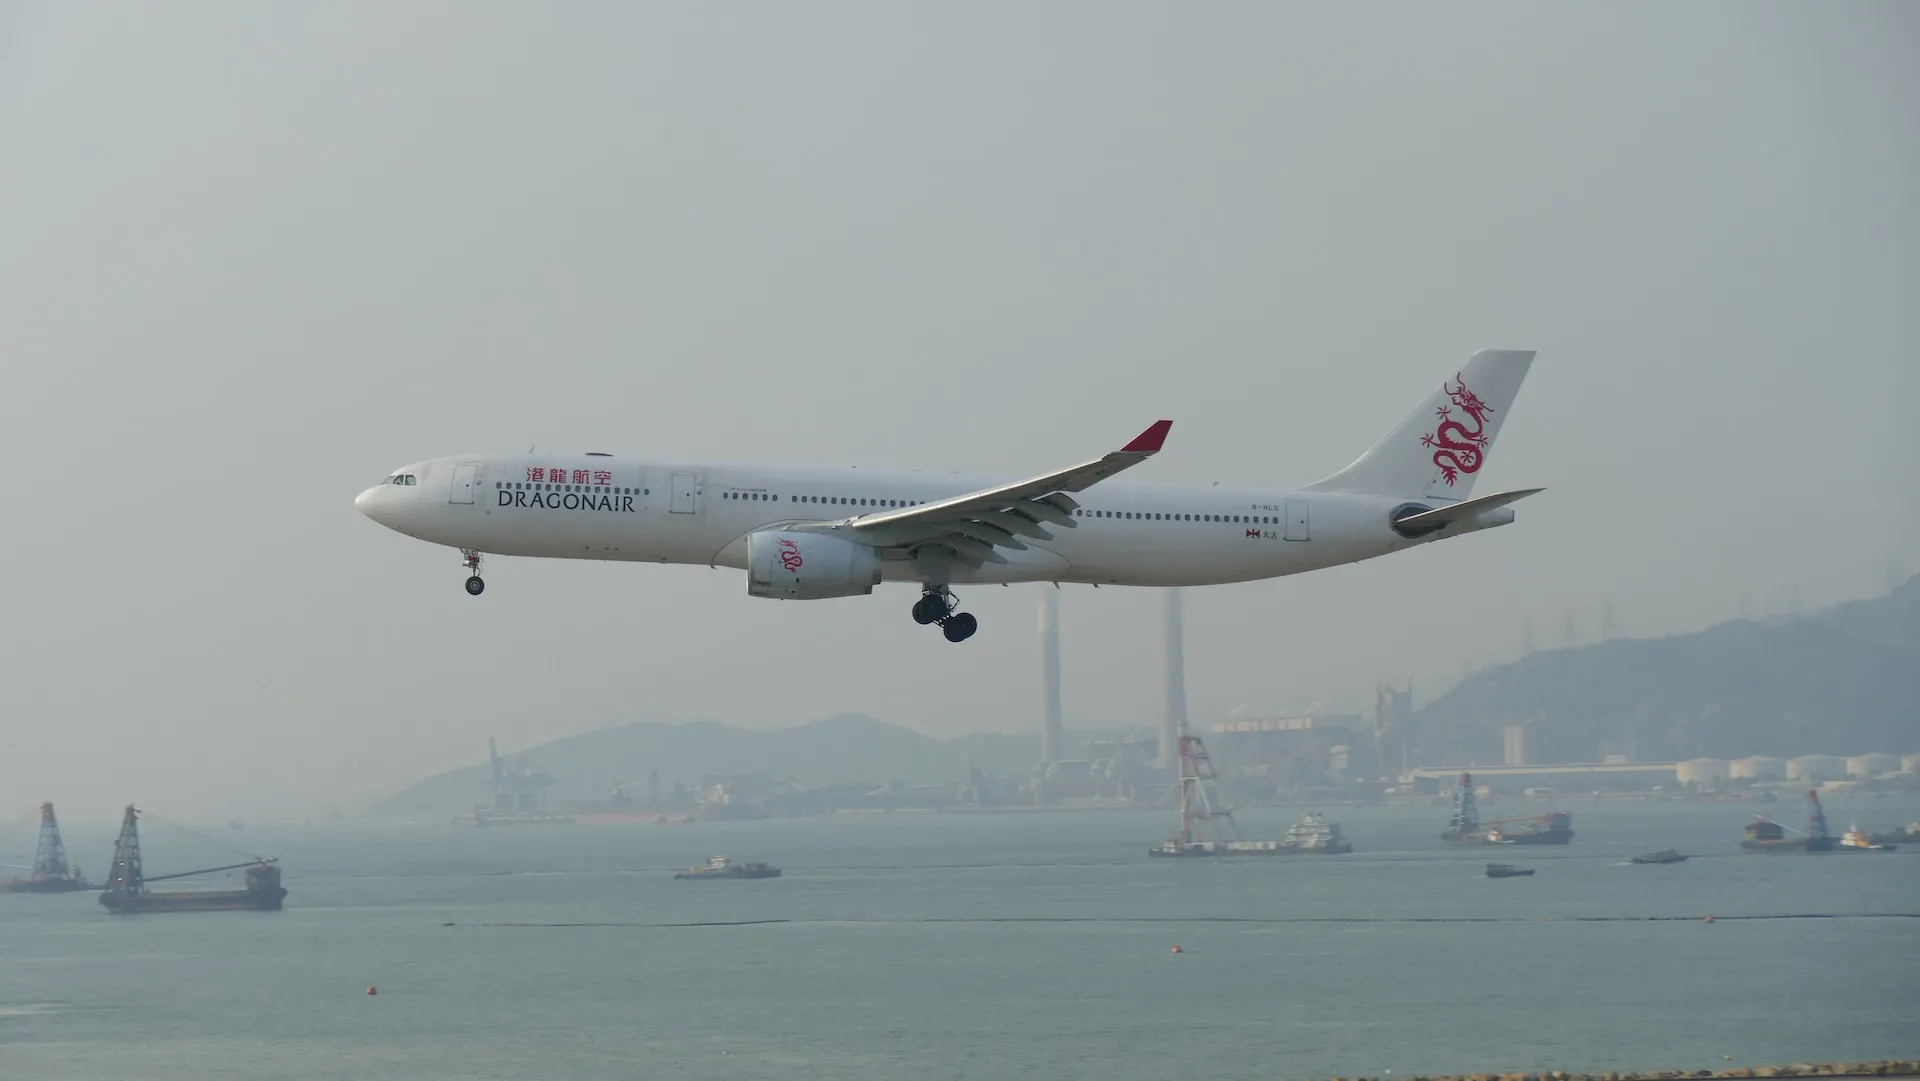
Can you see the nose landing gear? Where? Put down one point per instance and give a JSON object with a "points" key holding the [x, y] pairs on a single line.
{"points": [[936, 605], [470, 559]]}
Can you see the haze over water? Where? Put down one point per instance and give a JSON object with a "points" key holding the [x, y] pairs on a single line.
{"points": [[997, 946], [252, 257]]}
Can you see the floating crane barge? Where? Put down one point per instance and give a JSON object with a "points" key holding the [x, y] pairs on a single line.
{"points": [[1466, 828], [1314, 836], [126, 887], [1766, 835], [51, 872]]}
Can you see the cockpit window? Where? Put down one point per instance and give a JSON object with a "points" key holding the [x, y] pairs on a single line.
{"points": [[400, 478]]}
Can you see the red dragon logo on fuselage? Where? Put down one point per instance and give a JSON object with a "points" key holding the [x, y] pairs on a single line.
{"points": [[1460, 449]]}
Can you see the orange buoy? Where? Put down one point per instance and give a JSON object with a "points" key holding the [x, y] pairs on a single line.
{"points": [[373, 990], [1177, 949]]}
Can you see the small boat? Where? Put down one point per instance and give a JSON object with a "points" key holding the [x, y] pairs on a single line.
{"points": [[1857, 840], [722, 867], [1665, 855], [1507, 870], [1315, 835]]}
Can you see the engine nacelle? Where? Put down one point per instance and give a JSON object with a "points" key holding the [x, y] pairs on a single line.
{"points": [[1412, 532], [809, 566]]}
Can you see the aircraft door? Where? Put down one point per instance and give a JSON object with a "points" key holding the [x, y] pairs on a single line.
{"points": [[1296, 519], [685, 494], [466, 477]]}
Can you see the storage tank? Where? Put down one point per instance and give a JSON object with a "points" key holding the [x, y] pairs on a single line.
{"points": [[1758, 768], [1814, 768], [1862, 767], [1704, 772]]}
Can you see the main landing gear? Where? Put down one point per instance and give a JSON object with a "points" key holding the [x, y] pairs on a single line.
{"points": [[470, 559], [936, 605]]}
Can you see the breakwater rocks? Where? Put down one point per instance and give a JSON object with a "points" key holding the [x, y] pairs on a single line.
{"points": [[1799, 1069]]}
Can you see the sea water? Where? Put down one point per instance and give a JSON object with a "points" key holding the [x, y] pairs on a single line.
{"points": [[978, 946]]}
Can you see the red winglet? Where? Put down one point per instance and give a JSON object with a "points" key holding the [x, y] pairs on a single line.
{"points": [[1150, 441]]}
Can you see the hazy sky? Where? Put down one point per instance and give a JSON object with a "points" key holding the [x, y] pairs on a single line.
{"points": [[252, 257]]}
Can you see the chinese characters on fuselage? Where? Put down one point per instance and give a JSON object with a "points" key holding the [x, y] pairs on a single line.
{"points": [[549, 499]]}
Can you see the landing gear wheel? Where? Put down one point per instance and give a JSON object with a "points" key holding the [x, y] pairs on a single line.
{"points": [[931, 608], [470, 559], [936, 605]]}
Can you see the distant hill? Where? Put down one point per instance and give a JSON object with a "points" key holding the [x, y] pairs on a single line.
{"points": [[1845, 680], [843, 748]]}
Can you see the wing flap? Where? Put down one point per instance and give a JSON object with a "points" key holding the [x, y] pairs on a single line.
{"points": [[1014, 522]]}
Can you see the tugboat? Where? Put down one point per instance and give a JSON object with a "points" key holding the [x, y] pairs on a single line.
{"points": [[722, 867], [1857, 840], [126, 887], [1665, 855], [1314, 835], [51, 872], [1507, 870]]}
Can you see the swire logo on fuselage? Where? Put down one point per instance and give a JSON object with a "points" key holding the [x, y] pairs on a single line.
{"points": [[622, 504]]}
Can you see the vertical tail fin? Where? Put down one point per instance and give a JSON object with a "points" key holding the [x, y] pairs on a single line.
{"points": [[1438, 450]]}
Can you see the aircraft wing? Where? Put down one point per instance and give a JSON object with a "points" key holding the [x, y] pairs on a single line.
{"points": [[972, 526]]}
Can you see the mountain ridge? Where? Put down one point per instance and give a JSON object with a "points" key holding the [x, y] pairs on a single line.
{"points": [[1841, 680], [840, 748]]}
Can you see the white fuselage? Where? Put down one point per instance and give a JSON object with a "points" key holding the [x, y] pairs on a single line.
{"points": [[609, 508]]}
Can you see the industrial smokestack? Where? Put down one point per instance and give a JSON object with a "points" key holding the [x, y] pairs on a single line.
{"points": [[1050, 732], [1176, 719]]}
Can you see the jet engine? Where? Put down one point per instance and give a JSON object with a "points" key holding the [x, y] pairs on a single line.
{"points": [[809, 566], [1407, 510]]}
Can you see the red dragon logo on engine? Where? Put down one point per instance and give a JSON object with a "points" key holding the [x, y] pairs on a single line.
{"points": [[1460, 449], [790, 555]]}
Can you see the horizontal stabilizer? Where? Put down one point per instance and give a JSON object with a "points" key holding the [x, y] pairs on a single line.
{"points": [[1427, 521]]}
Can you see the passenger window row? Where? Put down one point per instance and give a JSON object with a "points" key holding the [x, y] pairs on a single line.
{"points": [[542, 486], [854, 501], [1241, 519], [850, 501]]}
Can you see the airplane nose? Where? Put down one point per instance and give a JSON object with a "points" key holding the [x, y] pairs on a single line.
{"points": [[365, 501]]}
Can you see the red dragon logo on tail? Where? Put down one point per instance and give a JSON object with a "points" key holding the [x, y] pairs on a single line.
{"points": [[1460, 449]]}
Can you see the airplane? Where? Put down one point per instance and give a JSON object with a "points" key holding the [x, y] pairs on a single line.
{"points": [[813, 534]]}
